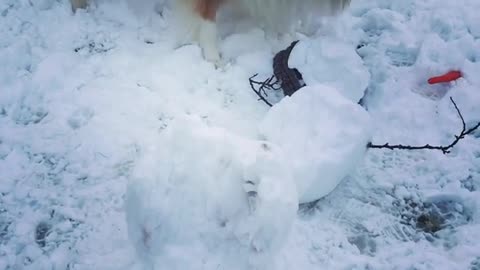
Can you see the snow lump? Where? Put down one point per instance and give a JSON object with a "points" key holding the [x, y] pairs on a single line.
{"points": [[323, 134], [331, 62], [204, 196]]}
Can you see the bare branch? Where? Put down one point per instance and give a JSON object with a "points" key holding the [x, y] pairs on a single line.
{"points": [[269, 84], [444, 148], [259, 91]]}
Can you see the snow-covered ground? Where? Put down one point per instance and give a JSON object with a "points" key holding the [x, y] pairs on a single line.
{"points": [[84, 99]]}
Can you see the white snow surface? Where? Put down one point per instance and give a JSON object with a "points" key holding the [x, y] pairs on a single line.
{"points": [[323, 134], [332, 62], [93, 105], [187, 202]]}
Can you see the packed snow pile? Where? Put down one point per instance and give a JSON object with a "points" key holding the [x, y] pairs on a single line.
{"points": [[331, 62], [223, 199], [323, 134], [204, 196], [234, 199]]}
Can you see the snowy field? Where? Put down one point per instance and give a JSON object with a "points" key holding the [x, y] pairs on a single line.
{"points": [[94, 108]]}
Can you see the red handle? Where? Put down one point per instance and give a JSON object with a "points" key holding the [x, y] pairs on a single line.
{"points": [[447, 77]]}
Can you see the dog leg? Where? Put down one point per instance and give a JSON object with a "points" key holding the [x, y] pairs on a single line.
{"points": [[207, 34], [207, 39], [197, 18], [76, 4]]}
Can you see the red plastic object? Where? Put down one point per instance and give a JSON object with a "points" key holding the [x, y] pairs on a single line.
{"points": [[447, 77]]}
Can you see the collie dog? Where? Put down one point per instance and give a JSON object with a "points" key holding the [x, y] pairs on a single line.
{"points": [[198, 17]]}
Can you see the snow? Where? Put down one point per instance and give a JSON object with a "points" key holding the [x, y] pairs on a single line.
{"points": [[323, 134], [331, 62], [202, 196], [88, 100]]}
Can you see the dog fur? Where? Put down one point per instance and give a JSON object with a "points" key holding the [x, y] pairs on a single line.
{"points": [[196, 19], [199, 16]]}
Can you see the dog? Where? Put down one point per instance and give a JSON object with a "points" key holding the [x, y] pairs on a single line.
{"points": [[196, 19]]}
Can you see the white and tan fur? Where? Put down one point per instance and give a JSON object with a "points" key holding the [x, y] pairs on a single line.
{"points": [[196, 19]]}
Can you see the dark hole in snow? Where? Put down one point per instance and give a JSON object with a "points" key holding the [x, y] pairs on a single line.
{"points": [[475, 264], [430, 223], [434, 214], [443, 212], [41, 232]]}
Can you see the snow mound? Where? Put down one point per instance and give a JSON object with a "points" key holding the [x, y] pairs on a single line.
{"points": [[331, 62], [203, 196], [323, 134]]}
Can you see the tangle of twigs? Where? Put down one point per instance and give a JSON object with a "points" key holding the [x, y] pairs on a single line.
{"points": [[284, 78], [444, 148], [269, 84]]}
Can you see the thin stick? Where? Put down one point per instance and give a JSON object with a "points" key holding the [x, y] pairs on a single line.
{"points": [[444, 148]]}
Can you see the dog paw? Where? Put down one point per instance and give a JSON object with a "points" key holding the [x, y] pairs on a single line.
{"points": [[217, 60], [211, 55]]}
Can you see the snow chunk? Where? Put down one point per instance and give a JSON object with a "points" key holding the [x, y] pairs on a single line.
{"points": [[203, 196], [323, 134], [331, 62], [43, 4]]}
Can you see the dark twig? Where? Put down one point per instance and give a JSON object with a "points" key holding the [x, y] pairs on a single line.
{"points": [[444, 148], [284, 78], [259, 94], [274, 85], [269, 84]]}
